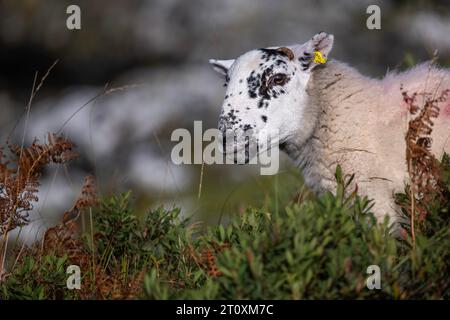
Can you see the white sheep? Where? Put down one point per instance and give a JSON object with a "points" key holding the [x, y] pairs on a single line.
{"points": [[328, 114]]}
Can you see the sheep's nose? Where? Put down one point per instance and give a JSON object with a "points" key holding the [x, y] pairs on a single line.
{"points": [[224, 132], [222, 125]]}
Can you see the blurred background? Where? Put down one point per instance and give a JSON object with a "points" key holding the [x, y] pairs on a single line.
{"points": [[163, 47]]}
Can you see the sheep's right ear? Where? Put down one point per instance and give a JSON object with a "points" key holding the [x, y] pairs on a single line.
{"points": [[221, 66]]}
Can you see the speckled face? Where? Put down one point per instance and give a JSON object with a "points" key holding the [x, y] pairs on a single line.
{"points": [[263, 88], [266, 89]]}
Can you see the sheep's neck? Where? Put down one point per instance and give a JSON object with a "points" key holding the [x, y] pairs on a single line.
{"points": [[330, 106]]}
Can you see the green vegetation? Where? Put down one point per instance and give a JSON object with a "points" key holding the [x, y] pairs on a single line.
{"points": [[318, 248]]}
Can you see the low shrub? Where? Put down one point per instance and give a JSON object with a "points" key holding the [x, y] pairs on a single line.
{"points": [[320, 248]]}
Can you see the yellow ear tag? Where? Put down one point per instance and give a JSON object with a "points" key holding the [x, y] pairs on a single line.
{"points": [[318, 58]]}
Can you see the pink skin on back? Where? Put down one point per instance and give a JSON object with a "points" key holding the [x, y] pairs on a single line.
{"points": [[446, 109]]}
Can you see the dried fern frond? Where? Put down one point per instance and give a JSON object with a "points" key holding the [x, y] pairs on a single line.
{"points": [[423, 167], [87, 198], [19, 177]]}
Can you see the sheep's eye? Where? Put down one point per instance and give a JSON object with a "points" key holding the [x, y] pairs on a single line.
{"points": [[278, 79]]}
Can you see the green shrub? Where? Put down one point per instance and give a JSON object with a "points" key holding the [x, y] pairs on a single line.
{"points": [[37, 279], [317, 249]]}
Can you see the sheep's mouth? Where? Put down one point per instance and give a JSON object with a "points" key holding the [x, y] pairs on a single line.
{"points": [[243, 149], [236, 152]]}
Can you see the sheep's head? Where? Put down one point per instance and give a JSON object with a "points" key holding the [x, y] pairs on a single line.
{"points": [[266, 91]]}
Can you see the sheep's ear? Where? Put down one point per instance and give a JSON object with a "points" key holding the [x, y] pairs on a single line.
{"points": [[315, 51], [221, 66]]}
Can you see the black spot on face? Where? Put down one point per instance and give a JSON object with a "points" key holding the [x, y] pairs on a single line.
{"points": [[272, 54], [261, 103], [253, 83], [264, 118], [231, 117], [259, 81], [263, 88], [280, 62]]}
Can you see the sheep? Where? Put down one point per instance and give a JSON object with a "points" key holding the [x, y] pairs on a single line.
{"points": [[326, 113]]}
